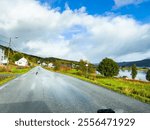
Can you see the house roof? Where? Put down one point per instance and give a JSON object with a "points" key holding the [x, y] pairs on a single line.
{"points": [[23, 59]]}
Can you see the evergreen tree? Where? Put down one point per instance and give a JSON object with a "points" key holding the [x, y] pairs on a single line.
{"points": [[148, 75], [108, 67], [133, 71]]}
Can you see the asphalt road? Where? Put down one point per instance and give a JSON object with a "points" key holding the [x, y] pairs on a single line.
{"points": [[53, 92]]}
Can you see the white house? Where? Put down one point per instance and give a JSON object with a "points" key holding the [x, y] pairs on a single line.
{"points": [[50, 65], [22, 62], [39, 62], [44, 64], [3, 58]]}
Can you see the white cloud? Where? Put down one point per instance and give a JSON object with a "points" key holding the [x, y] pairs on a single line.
{"points": [[133, 56], [71, 34], [53, 49], [120, 3]]}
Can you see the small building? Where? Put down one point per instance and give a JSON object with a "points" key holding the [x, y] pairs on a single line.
{"points": [[22, 62], [3, 58], [51, 65], [44, 64], [39, 62]]}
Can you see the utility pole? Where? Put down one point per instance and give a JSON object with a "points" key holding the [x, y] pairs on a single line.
{"points": [[9, 45]]}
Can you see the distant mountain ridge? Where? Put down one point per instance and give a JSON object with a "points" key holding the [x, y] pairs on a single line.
{"points": [[141, 63]]}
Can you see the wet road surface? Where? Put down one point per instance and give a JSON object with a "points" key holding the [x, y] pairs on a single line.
{"points": [[49, 92]]}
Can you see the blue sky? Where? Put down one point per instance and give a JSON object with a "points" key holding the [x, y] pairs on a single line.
{"points": [[140, 11], [78, 29]]}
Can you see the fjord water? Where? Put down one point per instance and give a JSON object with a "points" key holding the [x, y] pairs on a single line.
{"points": [[141, 75]]}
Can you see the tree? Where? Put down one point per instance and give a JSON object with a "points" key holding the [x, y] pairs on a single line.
{"points": [[91, 68], [148, 75], [57, 65], [82, 66], [86, 68], [17, 56], [133, 71], [108, 68]]}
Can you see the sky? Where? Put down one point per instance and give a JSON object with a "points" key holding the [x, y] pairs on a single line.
{"points": [[74, 30]]}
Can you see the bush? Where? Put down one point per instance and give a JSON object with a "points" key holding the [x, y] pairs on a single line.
{"points": [[57, 65], [2, 69], [21, 67], [79, 73], [5, 69]]}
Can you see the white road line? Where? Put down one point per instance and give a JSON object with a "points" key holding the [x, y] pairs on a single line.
{"points": [[6, 84], [3, 86], [33, 86]]}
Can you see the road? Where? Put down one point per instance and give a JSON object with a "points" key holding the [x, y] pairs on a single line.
{"points": [[49, 92]]}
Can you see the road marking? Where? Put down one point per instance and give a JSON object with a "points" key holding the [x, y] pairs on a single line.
{"points": [[119, 111], [3, 86], [9, 82], [33, 86]]}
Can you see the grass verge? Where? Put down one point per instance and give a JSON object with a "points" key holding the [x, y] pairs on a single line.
{"points": [[20, 71], [4, 80], [14, 69]]}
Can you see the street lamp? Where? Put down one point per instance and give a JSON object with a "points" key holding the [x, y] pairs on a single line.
{"points": [[86, 69]]}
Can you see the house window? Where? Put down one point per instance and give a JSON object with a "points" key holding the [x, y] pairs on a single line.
{"points": [[2, 51], [5, 57], [2, 58]]}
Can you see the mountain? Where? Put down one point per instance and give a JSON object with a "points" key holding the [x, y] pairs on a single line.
{"points": [[141, 63]]}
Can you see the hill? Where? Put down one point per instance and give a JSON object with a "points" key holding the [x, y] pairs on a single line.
{"points": [[16, 55], [141, 63]]}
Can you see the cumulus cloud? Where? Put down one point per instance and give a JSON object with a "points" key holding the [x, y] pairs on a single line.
{"points": [[120, 3], [73, 34]]}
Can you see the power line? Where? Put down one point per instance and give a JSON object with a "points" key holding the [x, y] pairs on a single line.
{"points": [[10, 44], [2, 43], [14, 47], [4, 39]]}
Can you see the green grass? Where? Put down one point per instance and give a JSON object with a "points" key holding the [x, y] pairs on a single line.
{"points": [[137, 89], [13, 71], [20, 71], [4, 80]]}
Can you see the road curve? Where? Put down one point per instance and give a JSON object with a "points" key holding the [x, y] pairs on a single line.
{"points": [[49, 92]]}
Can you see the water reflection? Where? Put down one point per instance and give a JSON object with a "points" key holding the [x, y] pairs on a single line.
{"points": [[141, 75]]}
